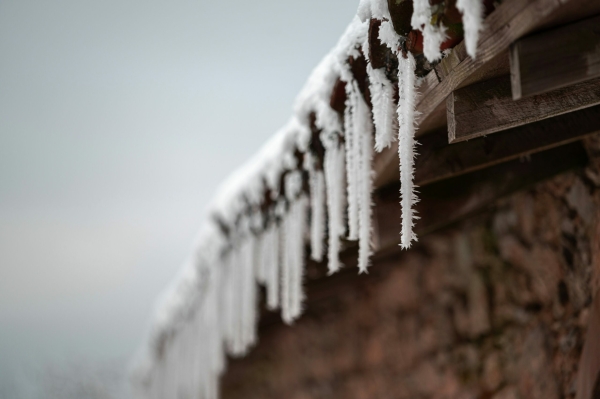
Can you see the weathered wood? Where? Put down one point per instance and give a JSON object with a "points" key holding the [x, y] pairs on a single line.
{"points": [[437, 160], [487, 107], [511, 20], [556, 58], [451, 200]]}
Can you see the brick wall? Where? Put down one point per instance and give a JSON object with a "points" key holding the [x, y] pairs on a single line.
{"points": [[495, 307]]}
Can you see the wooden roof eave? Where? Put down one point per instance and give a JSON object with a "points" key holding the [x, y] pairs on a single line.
{"points": [[510, 21]]}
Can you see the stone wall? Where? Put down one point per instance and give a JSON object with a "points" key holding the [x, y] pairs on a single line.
{"points": [[495, 307]]}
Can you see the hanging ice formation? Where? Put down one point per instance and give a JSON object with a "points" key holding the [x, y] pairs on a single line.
{"points": [[433, 36], [406, 147], [335, 164], [359, 154], [306, 193], [472, 11], [317, 207]]}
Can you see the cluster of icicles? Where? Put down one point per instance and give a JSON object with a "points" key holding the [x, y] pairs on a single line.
{"points": [[211, 309]]}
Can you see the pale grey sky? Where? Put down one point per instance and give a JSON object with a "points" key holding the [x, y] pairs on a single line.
{"points": [[118, 119]]}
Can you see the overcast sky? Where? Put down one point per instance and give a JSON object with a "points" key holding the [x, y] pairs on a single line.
{"points": [[118, 119]]}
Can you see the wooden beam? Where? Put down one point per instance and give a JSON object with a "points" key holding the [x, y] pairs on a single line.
{"points": [[438, 160], [556, 58], [487, 107], [449, 201], [511, 20]]}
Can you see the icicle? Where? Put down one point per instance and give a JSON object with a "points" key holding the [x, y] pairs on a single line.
{"points": [[272, 261], [293, 260], [213, 321], [384, 110], [260, 268], [364, 140], [359, 149], [406, 147], [472, 11], [236, 293], [351, 161], [382, 97], [335, 181], [249, 303], [228, 297], [433, 36], [317, 206], [286, 269]]}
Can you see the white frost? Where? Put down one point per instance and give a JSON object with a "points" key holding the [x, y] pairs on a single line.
{"points": [[433, 36], [406, 147], [384, 109], [472, 16], [364, 139], [318, 216], [352, 160], [293, 260], [335, 179]]}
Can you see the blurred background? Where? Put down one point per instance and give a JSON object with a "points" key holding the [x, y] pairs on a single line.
{"points": [[118, 120]]}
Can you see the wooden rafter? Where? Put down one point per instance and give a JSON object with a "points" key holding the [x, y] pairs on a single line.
{"points": [[510, 21], [566, 55], [488, 107]]}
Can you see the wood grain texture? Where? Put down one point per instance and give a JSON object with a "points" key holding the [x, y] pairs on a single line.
{"points": [[556, 58], [510, 21], [438, 160], [487, 107], [451, 200]]}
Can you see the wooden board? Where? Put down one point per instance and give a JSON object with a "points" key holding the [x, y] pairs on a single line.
{"points": [[511, 20], [556, 58], [451, 200], [487, 107], [438, 160]]}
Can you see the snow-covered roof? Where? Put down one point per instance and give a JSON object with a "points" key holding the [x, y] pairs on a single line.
{"points": [[310, 183]]}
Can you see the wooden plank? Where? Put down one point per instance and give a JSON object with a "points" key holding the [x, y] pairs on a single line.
{"points": [[451, 200], [437, 160], [487, 107], [511, 20], [557, 58]]}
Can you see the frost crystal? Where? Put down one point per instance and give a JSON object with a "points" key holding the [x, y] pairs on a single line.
{"points": [[472, 11], [433, 36], [335, 181], [406, 148], [318, 216], [293, 261]]}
